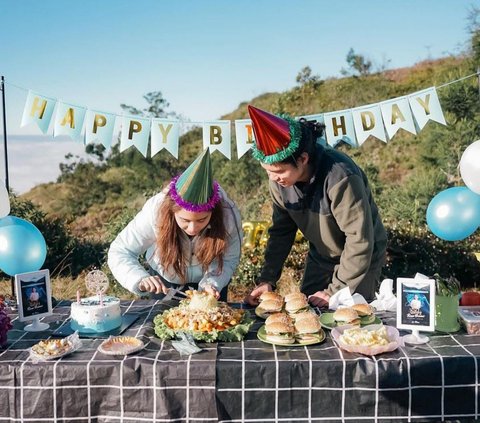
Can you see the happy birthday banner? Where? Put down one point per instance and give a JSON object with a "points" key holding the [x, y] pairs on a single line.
{"points": [[352, 126]]}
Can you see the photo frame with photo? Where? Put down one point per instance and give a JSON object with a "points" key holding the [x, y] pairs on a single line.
{"points": [[416, 306], [34, 298]]}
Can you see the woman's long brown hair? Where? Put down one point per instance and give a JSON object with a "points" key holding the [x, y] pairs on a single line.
{"points": [[211, 243]]}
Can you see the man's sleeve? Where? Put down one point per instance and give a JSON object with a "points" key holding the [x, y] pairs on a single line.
{"points": [[281, 236]]}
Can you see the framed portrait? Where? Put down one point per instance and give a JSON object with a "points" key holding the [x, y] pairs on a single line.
{"points": [[416, 304], [33, 295]]}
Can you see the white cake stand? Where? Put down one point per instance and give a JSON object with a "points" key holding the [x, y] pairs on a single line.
{"points": [[36, 326]]}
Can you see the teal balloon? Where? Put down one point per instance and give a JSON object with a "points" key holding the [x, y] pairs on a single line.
{"points": [[454, 214], [22, 246]]}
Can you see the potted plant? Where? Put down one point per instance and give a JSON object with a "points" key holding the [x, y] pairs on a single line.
{"points": [[446, 303]]}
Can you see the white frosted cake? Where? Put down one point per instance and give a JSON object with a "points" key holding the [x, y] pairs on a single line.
{"points": [[89, 316]]}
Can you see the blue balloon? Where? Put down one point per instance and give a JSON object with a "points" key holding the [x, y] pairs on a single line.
{"points": [[454, 214], [22, 246]]}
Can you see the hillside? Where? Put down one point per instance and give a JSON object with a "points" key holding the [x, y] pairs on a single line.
{"points": [[96, 201]]}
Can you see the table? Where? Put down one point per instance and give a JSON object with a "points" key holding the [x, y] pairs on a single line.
{"points": [[232, 382]]}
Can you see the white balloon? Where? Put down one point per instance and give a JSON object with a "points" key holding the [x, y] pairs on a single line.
{"points": [[4, 201], [470, 167]]}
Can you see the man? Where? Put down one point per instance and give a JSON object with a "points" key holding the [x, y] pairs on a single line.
{"points": [[323, 193]]}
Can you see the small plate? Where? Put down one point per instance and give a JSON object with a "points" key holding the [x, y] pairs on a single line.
{"points": [[51, 349], [121, 345], [262, 335], [327, 321], [392, 334]]}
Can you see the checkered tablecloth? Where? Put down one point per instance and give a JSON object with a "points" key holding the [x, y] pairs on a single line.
{"points": [[233, 382]]}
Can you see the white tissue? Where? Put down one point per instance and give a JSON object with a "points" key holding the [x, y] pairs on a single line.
{"points": [[386, 300], [343, 298]]}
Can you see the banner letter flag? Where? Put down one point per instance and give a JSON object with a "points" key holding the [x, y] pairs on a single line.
{"points": [[426, 106], [135, 131], [216, 136], [165, 134], [367, 121], [99, 127], [69, 121], [321, 119], [244, 136], [339, 127], [38, 109], [397, 114]]}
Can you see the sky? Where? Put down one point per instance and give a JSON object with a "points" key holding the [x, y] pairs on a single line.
{"points": [[205, 56]]}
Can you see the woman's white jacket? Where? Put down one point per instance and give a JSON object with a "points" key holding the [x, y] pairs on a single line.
{"points": [[139, 237]]}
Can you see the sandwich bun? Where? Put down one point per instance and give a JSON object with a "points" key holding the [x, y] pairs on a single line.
{"points": [[294, 296], [269, 295], [278, 317], [307, 330], [271, 306], [279, 333], [363, 309], [305, 315], [346, 316], [296, 306]]}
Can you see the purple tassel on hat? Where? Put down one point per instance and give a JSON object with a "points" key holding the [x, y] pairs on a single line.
{"points": [[197, 208]]}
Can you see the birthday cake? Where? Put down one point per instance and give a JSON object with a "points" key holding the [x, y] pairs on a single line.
{"points": [[90, 315]]}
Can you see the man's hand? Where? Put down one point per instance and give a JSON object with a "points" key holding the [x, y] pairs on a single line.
{"points": [[319, 299], [152, 284], [212, 291], [252, 298]]}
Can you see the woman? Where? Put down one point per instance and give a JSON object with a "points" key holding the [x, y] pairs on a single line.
{"points": [[191, 233]]}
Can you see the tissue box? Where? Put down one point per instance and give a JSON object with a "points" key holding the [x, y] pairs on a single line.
{"points": [[470, 317]]}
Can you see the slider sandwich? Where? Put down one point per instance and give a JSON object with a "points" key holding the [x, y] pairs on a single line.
{"points": [[278, 317], [365, 312], [295, 296], [296, 306], [346, 316], [268, 307], [279, 333], [269, 295], [307, 330]]}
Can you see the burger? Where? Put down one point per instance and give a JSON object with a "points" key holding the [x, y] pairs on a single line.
{"points": [[268, 307], [296, 306], [279, 333], [278, 317], [269, 295], [294, 296], [305, 315], [346, 316], [365, 312], [307, 330]]}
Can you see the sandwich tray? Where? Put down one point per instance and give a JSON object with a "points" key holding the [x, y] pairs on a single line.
{"points": [[327, 321], [262, 335]]}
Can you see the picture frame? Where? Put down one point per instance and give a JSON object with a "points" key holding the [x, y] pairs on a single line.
{"points": [[416, 304], [34, 298]]}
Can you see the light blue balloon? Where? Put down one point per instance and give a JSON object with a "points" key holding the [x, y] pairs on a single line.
{"points": [[454, 214], [22, 246]]}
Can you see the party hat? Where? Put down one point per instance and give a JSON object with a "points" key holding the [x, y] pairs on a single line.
{"points": [[195, 190], [276, 137]]}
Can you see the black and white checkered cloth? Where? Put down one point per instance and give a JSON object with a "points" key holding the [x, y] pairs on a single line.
{"points": [[236, 382]]}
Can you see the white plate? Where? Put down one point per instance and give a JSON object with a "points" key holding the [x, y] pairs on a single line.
{"points": [[121, 345], [392, 334]]}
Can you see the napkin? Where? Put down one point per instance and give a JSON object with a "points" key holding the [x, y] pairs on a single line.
{"points": [[386, 300], [344, 298], [186, 345]]}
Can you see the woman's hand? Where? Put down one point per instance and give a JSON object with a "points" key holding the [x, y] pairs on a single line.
{"points": [[152, 284], [252, 298], [212, 291], [319, 299]]}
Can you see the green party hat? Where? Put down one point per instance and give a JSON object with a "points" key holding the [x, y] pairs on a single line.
{"points": [[195, 190]]}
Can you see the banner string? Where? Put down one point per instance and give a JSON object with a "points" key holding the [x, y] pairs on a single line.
{"points": [[192, 122]]}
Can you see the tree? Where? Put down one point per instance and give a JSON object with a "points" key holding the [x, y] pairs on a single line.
{"points": [[157, 106], [358, 64]]}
